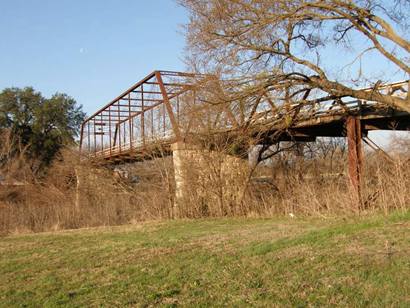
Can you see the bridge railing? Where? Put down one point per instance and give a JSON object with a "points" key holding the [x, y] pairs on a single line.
{"points": [[323, 108]]}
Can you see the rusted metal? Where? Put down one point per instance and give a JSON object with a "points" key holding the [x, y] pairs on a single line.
{"points": [[130, 122], [378, 149], [109, 125], [151, 98], [155, 110], [167, 104], [88, 137], [95, 137], [142, 116], [355, 154]]}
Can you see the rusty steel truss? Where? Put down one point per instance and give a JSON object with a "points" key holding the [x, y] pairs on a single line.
{"points": [[157, 111], [149, 112]]}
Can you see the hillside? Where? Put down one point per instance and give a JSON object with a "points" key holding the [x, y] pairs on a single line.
{"points": [[292, 262]]}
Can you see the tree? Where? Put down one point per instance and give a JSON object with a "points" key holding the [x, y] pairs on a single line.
{"points": [[41, 126], [285, 46]]}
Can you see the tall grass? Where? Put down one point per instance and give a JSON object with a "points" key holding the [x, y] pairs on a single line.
{"points": [[217, 185]]}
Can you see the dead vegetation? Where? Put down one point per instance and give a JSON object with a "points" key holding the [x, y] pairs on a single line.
{"points": [[308, 181]]}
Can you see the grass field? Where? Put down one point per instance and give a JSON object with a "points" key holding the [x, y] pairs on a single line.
{"points": [[240, 262]]}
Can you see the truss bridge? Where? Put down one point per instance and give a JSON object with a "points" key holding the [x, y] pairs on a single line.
{"points": [[165, 107]]}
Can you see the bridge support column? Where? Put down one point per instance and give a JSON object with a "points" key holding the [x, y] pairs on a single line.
{"points": [[355, 155], [207, 183], [179, 152]]}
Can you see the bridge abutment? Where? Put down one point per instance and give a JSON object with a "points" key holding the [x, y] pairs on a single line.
{"points": [[207, 182]]}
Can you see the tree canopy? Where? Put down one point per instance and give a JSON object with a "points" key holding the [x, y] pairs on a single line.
{"points": [[296, 46], [37, 125]]}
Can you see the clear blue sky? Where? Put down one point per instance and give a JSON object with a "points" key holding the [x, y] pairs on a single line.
{"points": [[90, 49]]}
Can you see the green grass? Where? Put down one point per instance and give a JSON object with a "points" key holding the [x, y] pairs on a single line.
{"points": [[234, 262]]}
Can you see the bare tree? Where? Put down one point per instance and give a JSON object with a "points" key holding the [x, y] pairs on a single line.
{"points": [[284, 45], [400, 144]]}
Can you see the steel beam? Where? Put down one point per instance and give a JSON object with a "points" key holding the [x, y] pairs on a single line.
{"points": [[355, 155], [168, 106]]}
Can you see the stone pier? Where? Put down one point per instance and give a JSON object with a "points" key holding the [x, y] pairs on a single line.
{"points": [[207, 182]]}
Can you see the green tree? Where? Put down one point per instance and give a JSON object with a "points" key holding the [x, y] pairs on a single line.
{"points": [[42, 126]]}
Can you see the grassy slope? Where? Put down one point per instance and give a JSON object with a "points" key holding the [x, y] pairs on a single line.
{"points": [[224, 261]]}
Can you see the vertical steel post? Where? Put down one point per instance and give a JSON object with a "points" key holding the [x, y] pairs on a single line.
{"points": [[102, 134], [95, 138], [115, 134], [142, 116], [159, 120], [89, 137], [109, 129], [130, 120], [152, 123], [119, 126], [163, 119], [168, 106], [355, 154]]}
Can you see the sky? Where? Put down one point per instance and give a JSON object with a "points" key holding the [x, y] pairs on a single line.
{"points": [[91, 49]]}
